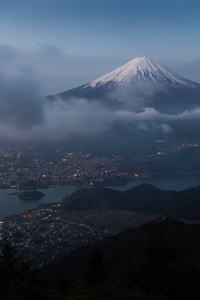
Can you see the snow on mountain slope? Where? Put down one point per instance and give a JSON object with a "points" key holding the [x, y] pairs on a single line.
{"points": [[141, 70], [138, 84]]}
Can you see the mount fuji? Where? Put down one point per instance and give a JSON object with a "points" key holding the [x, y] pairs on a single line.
{"points": [[130, 109], [140, 83]]}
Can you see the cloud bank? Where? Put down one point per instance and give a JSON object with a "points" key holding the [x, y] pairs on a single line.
{"points": [[24, 116], [27, 116]]}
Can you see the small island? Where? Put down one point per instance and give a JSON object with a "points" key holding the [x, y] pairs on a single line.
{"points": [[31, 195]]}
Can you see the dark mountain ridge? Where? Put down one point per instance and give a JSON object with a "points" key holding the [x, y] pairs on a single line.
{"points": [[143, 198], [125, 251]]}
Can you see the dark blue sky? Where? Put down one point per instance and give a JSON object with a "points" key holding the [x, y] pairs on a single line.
{"points": [[70, 42]]}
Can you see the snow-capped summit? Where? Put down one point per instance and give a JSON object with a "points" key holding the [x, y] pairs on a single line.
{"points": [[139, 83], [141, 70]]}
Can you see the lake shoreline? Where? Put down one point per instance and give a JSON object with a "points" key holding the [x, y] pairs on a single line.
{"points": [[12, 205]]}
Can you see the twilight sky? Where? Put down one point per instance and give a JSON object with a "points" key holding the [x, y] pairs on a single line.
{"points": [[66, 43]]}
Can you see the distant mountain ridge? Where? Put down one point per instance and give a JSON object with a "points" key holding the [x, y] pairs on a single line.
{"points": [[143, 198]]}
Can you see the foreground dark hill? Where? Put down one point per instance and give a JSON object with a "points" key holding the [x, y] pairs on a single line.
{"points": [[125, 251], [143, 198]]}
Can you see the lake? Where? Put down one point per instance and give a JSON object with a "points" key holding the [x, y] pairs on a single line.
{"points": [[10, 204]]}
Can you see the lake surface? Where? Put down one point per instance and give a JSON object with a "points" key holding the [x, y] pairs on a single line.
{"points": [[10, 204]]}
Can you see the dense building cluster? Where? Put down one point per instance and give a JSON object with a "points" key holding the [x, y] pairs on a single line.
{"points": [[82, 169], [45, 233], [59, 168]]}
